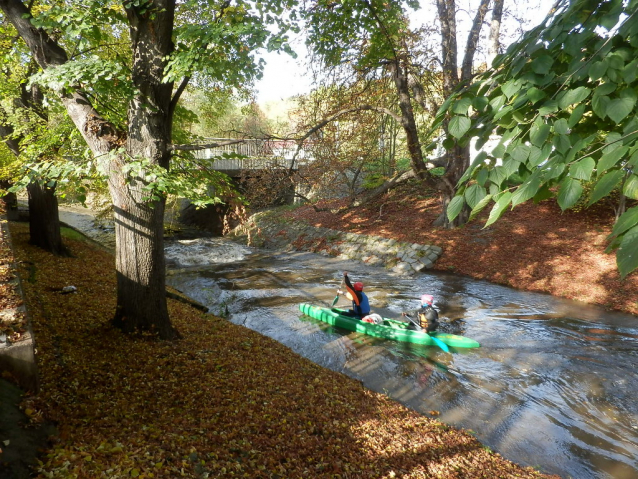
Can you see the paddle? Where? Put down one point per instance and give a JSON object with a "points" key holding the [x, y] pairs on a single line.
{"points": [[436, 341], [334, 301]]}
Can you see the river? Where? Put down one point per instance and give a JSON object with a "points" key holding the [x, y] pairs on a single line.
{"points": [[553, 385]]}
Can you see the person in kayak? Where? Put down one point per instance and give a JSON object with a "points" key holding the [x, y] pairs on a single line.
{"points": [[354, 292], [424, 317]]}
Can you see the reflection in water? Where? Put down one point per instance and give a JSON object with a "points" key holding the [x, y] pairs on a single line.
{"points": [[553, 385]]}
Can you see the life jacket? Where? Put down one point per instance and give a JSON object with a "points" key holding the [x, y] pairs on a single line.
{"points": [[428, 315], [363, 308]]}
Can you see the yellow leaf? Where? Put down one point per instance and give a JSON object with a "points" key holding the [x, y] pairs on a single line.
{"points": [[135, 472]]}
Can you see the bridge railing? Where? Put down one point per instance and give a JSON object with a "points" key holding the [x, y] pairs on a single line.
{"points": [[259, 154]]}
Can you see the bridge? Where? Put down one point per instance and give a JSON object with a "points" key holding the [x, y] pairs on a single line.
{"points": [[257, 155]]}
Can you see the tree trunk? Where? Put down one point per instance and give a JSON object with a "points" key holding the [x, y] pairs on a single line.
{"points": [[400, 76], [141, 292], [139, 222], [495, 32], [44, 219]]}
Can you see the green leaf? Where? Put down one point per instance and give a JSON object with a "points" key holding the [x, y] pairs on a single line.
{"points": [[454, 207], [474, 194], [497, 102], [609, 159], [605, 185], [619, 108], [627, 220], [498, 208], [561, 127], [459, 125], [521, 153], [548, 107], [480, 206], [536, 157], [461, 106], [605, 89], [538, 133], [569, 193], [630, 189], [599, 105], [449, 143], [562, 143], [511, 87], [573, 96], [630, 73], [597, 70], [576, 115], [499, 151], [511, 166], [502, 112], [527, 190], [582, 170], [480, 103], [482, 176], [534, 94], [543, 194], [542, 64], [627, 254], [497, 175]]}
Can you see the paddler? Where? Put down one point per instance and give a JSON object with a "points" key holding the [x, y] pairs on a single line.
{"points": [[424, 317], [354, 292]]}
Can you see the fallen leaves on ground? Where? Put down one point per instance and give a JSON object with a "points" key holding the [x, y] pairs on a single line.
{"points": [[534, 247], [12, 321], [224, 401]]}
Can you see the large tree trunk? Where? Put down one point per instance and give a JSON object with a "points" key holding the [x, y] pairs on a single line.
{"points": [[141, 295], [44, 219], [139, 229]]}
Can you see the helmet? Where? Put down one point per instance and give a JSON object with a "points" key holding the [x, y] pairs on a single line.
{"points": [[358, 286], [427, 299]]}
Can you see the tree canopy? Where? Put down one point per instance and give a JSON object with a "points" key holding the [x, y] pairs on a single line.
{"points": [[562, 105]]}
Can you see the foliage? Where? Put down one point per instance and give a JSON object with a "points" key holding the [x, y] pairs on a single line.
{"points": [[563, 103]]}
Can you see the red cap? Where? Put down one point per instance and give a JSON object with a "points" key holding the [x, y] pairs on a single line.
{"points": [[358, 286]]}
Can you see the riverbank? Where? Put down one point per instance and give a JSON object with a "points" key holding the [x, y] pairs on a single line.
{"points": [[534, 247], [223, 401]]}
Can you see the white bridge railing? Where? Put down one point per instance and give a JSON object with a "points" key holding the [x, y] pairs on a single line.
{"points": [[259, 154]]}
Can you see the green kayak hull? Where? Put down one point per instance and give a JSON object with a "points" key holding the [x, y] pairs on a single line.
{"points": [[389, 329]]}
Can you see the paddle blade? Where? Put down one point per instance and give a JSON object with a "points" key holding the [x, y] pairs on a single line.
{"points": [[334, 301], [440, 344]]}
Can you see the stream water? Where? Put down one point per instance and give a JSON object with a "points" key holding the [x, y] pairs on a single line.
{"points": [[553, 385]]}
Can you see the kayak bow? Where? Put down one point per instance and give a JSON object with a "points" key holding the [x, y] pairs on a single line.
{"points": [[389, 329]]}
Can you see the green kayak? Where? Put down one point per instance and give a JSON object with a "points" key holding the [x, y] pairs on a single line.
{"points": [[389, 329]]}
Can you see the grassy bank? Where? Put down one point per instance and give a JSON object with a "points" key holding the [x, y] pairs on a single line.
{"points": [[222, 402]]}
